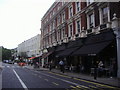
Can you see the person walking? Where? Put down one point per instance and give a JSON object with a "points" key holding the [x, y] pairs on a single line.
{"points": [[50, 65], [61, 63], [100, 68]]}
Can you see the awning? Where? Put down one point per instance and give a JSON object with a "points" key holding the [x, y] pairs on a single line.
{"points": [[92, 49], [70, 48], [60, 47], [46, 54], [31, 58], [66, 52]]}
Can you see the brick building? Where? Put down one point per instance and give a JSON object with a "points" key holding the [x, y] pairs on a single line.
{"points": [[80, 33]]}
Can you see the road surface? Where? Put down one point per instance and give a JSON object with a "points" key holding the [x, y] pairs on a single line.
{"points": [[16, 77]]}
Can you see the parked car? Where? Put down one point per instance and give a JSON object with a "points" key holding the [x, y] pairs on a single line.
{"points": [[5, 61], [21, 63], [11, 62]]}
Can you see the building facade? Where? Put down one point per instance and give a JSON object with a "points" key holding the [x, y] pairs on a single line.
{"points": [[30, 47], [88, 23]]}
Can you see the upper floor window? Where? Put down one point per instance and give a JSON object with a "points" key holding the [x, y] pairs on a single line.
{"points": [[63, 17], [91, 20], [105, 14], [77, 7], [59, 6], [62, 33], [89, 2], [78, 26], [54, 24], [51, 26], [70, 30], [51, 14], [53, 11], [63, 3], [70, 12], [58, 21]]}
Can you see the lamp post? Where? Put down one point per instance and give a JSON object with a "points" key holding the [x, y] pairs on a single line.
{"points": [[116, 29]]}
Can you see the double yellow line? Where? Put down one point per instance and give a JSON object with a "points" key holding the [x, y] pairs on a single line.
{"points": [[97, 84]]}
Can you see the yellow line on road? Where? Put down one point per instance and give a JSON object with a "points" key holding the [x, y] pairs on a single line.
{"points": [[73, 87], [78, 87], [94, 83], [55, 83], [59, 75], [92, 86], [86, 81]]}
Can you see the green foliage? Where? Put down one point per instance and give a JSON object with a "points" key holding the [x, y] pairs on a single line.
{"points": [[6, 54]]}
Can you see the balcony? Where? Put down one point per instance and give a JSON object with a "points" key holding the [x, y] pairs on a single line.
{"points": [[103, 26], [89, 31]]}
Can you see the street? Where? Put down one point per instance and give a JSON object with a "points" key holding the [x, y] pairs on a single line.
{"points": [[14, 76]]}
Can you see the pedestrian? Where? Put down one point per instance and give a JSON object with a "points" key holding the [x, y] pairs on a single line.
{"points": [[100, 68], [113, 69], [95, 73], [50, 65], [71, 67], [61, 63]]}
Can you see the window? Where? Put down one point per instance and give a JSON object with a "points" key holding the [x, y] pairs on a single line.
{"points": [[51, 14], [62, 33], [78, 26], [57, 35], [105, 14], [89, 2], [91, 20], [63, 3], [58, 21], [70, 30], [54, 24], [51, 26], [63, 17], [70, 12], [53, 11], [77, 7]]}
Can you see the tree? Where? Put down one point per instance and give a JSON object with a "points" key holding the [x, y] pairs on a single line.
{"points": [[6, 54]]}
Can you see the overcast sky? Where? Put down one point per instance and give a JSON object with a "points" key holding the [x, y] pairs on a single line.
{"points": [[20, 20]]}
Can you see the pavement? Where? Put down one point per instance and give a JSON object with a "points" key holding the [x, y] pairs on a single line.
{"points": [[102, 80], [0, 75]]}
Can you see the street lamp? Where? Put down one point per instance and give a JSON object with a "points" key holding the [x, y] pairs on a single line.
{"points": [[116, 29]]}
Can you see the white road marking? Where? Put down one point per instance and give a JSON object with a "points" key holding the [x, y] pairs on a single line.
{"points": [[8, 66], [22, 83]]}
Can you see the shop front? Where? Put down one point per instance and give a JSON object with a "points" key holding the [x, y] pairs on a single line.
{"points": [[70, 61], [100, 48]]}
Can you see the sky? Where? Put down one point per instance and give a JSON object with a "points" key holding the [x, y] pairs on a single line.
{"points": [[21, 20]]}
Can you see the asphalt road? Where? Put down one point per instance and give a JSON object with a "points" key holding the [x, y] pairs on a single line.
{"points": [[16, 77]]}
